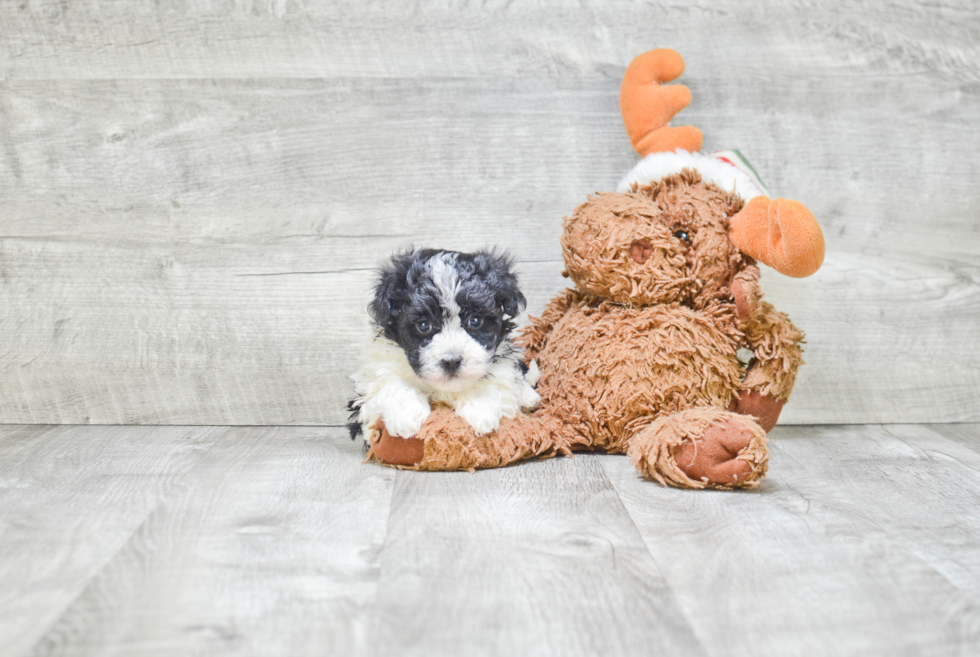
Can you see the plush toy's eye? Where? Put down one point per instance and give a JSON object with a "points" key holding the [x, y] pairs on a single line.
{"points": [[475, 322], [682, 235], [424, 327]]}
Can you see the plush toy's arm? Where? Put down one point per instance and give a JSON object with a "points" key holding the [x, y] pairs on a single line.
{"points": [[534, 336], [775, 343]]}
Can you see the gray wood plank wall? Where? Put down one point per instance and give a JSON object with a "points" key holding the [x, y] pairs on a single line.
{"points": [[193, 194]]}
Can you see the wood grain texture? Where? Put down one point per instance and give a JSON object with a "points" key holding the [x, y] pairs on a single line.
{"points": [[873, 528], [194, 193], [279, 541], [69, 502], [967, 435], [115, 39], [271, 548], [540, 559]]}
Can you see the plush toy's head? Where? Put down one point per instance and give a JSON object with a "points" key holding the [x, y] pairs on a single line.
{"points": [[779, 232], [680, 230], [666, 242]]}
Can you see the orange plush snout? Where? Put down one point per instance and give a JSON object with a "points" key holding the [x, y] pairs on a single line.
{"points": [[780, 233]]}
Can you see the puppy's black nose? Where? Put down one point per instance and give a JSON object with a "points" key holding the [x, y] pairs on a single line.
{"points": [[451, 364]]}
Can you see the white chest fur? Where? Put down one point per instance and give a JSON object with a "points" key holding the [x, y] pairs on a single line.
{"points": [[388, 388]]}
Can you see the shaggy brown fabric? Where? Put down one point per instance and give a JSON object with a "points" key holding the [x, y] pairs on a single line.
{"points": [[641, 356], [534, 336], [450, 443], [746, 294], [702, 448], [778, 355], [607, 370], [597, 241], [773, 339], [599, 237], [701, 210]]}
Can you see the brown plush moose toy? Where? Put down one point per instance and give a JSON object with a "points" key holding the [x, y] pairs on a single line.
{"points": [[642, 355]]}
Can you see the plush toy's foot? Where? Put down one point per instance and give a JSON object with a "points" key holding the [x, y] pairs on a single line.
{"points": [[702, 448], [447, 442], [393, 450]]}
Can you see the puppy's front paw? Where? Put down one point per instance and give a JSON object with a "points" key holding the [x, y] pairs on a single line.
{"points": [[530, 399], [482, 415], [405, 419]]}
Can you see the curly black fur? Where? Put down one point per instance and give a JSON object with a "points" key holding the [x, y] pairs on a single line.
{"points": [[353, 426], [406, 296]]}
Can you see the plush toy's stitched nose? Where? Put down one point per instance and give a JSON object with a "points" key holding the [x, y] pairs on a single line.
{"points": [[640, 251]]}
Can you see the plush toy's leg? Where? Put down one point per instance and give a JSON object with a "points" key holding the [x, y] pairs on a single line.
{"points": [[447, 442], [702, 448], [394, 450], [764, 408]]}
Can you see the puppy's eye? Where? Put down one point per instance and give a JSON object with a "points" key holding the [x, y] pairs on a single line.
{"points": [[475, 322], [682, 235], [423, 327]]}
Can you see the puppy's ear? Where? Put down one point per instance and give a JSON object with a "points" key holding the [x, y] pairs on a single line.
{"points": [[384, 308], [513, 301], [504, 282]]}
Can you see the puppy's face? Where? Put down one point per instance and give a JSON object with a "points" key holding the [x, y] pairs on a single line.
{"points": [[450, 312]]}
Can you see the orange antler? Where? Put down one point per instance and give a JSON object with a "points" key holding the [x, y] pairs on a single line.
{"points": [[648, 106]]}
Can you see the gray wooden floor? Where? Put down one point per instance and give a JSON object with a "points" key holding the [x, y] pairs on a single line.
{"points": [[280, 541]]}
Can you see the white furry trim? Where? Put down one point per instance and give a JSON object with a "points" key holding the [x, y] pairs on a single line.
{"points": [[714, 168], [388, 388]]}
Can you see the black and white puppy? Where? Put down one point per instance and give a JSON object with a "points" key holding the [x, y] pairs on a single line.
{"points": [[442, 324]]}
